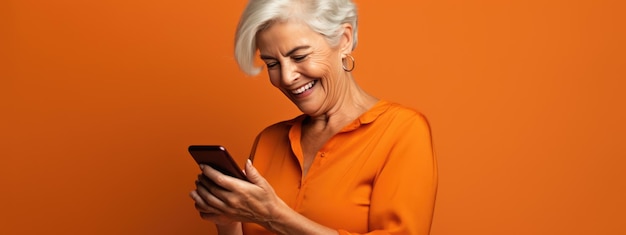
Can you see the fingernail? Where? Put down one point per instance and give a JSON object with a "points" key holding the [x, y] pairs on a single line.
{"points": [[202, 166], [249, 162]]}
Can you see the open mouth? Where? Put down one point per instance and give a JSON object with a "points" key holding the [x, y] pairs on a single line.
{"points": [[304, 88]]}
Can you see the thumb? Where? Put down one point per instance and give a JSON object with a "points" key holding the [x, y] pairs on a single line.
{"points": [[253, 175]]}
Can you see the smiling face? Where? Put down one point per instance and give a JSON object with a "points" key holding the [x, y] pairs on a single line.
{"points": [[302, 64]]}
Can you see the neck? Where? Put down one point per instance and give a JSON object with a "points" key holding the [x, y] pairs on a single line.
{"points": [[353, 102]]}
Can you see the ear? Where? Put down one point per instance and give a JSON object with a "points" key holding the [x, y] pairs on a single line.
{"points": [[345, 42]]}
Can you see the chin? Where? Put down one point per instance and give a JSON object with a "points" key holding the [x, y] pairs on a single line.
{"points": [[308, 110], [311, 106]]}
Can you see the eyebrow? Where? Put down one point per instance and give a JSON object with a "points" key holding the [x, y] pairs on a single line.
{"points": [[289, 53]]}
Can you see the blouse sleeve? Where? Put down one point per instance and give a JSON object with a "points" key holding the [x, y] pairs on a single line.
{"points": [[403, 196]]}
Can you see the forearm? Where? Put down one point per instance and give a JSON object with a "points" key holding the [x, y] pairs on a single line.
{"points": [[230, 229]]}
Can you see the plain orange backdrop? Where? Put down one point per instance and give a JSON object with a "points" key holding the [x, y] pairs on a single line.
{"points": [[99, 100]]}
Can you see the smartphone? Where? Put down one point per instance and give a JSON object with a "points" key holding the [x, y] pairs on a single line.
{"points": [[218, 158]]}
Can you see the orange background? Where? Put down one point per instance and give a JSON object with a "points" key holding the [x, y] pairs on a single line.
{"points": [[99, 100]]}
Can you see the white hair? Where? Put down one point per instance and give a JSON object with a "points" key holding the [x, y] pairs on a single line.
{"points": [[323, 16]]}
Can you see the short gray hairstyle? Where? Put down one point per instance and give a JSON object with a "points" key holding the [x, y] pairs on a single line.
{"points": [[323, 16]]}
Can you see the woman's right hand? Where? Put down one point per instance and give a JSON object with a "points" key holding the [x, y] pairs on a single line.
{"points": [[227, 201], [207, 212]]}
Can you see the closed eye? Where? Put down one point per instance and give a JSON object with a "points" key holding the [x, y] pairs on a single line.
{"points": [[299, 58], [271, 64]]}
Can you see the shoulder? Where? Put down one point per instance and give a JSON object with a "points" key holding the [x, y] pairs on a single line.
{"points": [[399, 114], [273, 135], [278, 131], [281, 127]]}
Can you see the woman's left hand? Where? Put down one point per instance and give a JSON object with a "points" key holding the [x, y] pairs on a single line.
{"points": [[222, 198]]}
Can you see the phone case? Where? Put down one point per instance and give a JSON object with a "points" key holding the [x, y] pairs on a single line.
{"points": [[217, 157]]}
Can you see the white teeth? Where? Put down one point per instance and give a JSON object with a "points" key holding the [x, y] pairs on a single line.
{"points": [[303, 88]]}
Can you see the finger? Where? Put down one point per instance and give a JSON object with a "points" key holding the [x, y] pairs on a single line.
{"points": [[213, 188], [208, 215], [253, 175], [216, 218], [227, 200], [199, 203], [213, 201], [205, 181], [225, 181]]}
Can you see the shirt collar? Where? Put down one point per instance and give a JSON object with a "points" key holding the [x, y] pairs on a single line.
{"points": [[369, 116]]}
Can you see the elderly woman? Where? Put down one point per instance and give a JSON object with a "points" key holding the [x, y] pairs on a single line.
{"points": [[350, 164]]}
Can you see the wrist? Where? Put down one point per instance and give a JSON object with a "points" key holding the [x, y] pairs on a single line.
{"points": [[233, 228], [278, 215], [288, 221]]}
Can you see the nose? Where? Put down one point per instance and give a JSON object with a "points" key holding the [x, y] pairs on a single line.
{"points": [[289, 73]]}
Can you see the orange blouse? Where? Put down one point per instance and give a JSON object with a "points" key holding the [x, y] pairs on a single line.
{"points": [[378, 175]]}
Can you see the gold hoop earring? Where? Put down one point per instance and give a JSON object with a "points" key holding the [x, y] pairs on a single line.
{"points": [[343, 63]]}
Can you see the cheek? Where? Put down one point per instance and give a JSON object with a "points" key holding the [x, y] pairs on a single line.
{"points": [[320, 68]]}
